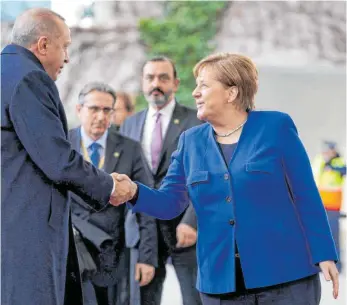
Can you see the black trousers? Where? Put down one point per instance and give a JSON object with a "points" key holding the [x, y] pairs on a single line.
{"points": [[73, 288], [73, 291], [305, 291], [185, 265]]}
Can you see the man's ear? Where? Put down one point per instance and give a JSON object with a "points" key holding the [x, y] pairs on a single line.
{"points": [[78, 109], [177, 83], [42, 45]]}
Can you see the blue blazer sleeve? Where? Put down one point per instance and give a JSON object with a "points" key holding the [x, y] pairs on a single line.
{"points": [[148, 242], [171, 199], [305, 194], [36, 114]]}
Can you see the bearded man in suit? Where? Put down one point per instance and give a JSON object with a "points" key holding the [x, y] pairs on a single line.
{"points": [[158, 128]]}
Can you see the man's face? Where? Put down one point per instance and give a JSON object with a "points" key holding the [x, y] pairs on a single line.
{"points": [[95, 113], [57, 51], [328, 154], [158, 83], [120, 111]]}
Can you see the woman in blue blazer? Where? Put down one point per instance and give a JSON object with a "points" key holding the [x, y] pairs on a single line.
{"points": [[263, 234]]}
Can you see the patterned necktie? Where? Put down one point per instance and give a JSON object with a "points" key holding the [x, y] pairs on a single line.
{"points": [[95, 155], [157, 142]]}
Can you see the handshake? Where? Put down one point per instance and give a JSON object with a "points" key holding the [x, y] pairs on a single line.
{"points": [[124, 189]]}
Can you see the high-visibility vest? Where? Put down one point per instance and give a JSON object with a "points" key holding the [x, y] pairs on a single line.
{"points": [[329, 182]]}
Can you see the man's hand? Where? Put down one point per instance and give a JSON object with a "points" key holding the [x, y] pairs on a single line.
{"points": [[144, 273], [330, 272], [125, 189], [186, 236]]}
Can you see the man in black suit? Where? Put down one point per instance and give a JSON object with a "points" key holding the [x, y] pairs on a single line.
{"points": [[103, 231], [158, 128]]}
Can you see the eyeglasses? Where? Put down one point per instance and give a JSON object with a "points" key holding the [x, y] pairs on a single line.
{"points": [[96, 109]]}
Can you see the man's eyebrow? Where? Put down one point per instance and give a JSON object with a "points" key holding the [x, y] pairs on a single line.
{"points": [[159, 75]]}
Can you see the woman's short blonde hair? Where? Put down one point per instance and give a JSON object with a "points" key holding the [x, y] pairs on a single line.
{"points": [[233, 70]]}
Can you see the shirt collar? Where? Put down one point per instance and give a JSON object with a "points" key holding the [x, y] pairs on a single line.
{"points": [[166, 111], [87, 141]]}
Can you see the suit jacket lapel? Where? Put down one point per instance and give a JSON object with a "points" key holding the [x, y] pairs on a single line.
{"points": [[140, 126], [175, 128], [113, 152], [245, 147]]}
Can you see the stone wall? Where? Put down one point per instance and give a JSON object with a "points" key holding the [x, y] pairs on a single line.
{"points": [[304, 41], [286, 33], [273, 33], [111, 51]]}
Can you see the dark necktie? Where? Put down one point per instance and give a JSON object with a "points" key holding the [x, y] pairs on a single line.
{"points": [[95, 155]]}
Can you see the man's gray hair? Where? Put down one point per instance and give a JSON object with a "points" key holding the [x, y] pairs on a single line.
{"points": [[34, 23], [99, 87]]}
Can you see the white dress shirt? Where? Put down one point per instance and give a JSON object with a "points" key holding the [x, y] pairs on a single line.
{"points": [[166, 115], [87, 141]]}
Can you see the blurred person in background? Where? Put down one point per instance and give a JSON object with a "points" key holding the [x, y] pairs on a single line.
{"points": [[263, 233], [158, 128], [103, 231], [329, 170], [123, 108]]}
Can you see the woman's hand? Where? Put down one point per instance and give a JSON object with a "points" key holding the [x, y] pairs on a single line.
{"points": [[330, 272]]}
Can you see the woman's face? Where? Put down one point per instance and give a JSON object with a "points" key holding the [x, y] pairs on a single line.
{"points": [[210, 95]]}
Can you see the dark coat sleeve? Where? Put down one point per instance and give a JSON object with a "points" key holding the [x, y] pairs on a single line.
{"points": [[104, 232], [91, 232], [37, 116], [148, 245]]}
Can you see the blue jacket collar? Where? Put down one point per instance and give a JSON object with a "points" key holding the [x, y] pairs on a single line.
{"points": [[16, 49]]}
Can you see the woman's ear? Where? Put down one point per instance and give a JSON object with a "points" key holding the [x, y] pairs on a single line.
{"points": [[233, 93]]}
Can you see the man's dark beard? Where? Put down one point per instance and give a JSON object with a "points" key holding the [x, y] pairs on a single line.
{"points": [[156, 89]]}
